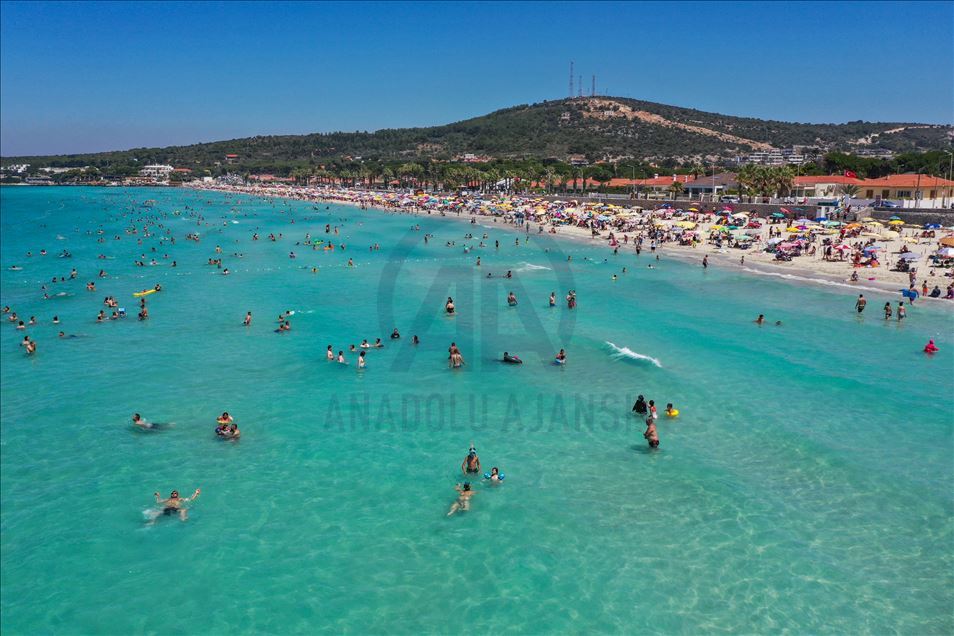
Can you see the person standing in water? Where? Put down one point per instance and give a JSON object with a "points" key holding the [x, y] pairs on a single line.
{"points": [[860, 303], [553, 299], [705, 262], [471, 463], [651, 435], [887, 311], [248, 319], [640, 407]]}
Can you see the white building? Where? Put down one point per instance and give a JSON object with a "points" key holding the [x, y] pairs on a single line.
{"points": [[156, 171]]}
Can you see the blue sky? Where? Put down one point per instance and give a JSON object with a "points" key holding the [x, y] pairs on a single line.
{"points": [[82, 77]]}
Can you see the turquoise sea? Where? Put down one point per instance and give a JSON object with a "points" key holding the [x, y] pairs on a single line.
{"points": [[807, 485]]}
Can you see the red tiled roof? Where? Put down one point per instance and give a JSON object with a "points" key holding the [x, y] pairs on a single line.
{"points": [[907, 181], [832, 178]]}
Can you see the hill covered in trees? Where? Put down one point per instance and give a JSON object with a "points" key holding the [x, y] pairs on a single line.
{"points": [[598, 128]]}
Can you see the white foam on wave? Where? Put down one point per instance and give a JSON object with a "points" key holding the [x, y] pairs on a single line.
{"points": [[627, 353], [530, 267], [817, 281]]}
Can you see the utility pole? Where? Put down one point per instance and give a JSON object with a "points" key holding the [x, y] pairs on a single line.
{"points": [[593, 87], [580, 86], [571, 79]]}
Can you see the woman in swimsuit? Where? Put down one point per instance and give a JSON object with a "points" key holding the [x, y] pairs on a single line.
{"points": [[463, 498]]}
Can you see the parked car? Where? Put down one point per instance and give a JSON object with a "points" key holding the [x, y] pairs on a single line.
{"points": [[888, 204], [729, 199]]}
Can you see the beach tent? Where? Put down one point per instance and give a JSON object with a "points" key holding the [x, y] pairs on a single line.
{"points": [[947, 241], [946, 252]]}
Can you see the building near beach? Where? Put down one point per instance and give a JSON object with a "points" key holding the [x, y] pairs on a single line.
{"points": [[156, 171], [910, 190]]}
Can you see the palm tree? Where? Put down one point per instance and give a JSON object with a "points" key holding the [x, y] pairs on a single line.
{"points": [[675, 189], [849, 190]]}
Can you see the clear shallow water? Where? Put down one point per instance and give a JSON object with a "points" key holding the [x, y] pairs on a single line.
{"points": [[806, 486]]}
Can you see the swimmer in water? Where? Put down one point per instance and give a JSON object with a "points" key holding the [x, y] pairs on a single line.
{"points": [[640, 407], [511, 359], [511, 299], [341, 358], [361, 361], [395, 335], [494, 476], [141, 422], [463, 498], [225, 418], [553, 299], [330, 354], [414, 340], [173, 505], [248, 319], [449, 305], [561, 357], [651, 435], [670, 411], [471, 463], [760, 319]]}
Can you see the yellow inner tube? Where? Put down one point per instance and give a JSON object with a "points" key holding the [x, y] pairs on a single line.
{"points": [[673, 413]]}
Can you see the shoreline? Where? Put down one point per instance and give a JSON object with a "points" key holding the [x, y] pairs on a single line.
{"points": [[758, 263]]}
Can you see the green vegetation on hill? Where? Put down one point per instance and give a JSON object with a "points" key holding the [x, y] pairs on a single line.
{"points": [[601, 129]]}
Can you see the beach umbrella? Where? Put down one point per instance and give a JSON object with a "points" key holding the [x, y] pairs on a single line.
{"points": [[946, 252], [894, 218], [778, 215], [872, 248], [843, 247], [686, 224], [875, 224], [909, 256], [802, 221], [776, 240], [896, 222], [947, 241], [932, 226]]}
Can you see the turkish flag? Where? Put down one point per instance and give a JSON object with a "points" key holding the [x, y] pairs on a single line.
{"points": [[850, 174]]}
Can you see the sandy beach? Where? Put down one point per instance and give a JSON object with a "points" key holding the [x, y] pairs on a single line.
{"points": [[616, 227]]}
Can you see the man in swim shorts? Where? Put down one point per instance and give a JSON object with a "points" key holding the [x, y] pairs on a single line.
{"points": [[471, 463], [173, 505]]}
